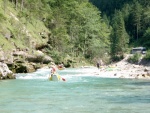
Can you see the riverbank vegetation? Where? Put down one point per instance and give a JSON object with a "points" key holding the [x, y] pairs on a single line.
{"points": [[60, 28], [75, 31], [130, 21]]}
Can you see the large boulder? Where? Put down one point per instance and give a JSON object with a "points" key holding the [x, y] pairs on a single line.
{"points": [[5, 73], [47, 59], [31, 67], [24, 67], [39, 57], [22, 61], [19, 53]]}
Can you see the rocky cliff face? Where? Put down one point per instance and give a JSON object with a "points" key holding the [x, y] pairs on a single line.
{"points": [[21, 62]]}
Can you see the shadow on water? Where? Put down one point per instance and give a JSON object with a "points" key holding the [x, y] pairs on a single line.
{"points": [[141, 83], [128, 99]]}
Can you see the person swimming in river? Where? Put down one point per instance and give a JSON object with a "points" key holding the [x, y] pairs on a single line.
{"points": [[53, 72]]}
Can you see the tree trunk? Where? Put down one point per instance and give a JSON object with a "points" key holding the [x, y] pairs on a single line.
{"points": [[22, 1], [16, 3], [137, 32], [84, 45]]}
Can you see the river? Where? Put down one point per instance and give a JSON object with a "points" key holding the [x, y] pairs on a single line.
{"points": [[82, 92]]}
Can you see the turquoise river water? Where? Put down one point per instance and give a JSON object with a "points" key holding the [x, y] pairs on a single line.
{"points": [[82, 92]]}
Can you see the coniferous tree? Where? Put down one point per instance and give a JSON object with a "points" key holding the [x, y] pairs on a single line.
{"points": [[146, 19], [137, 15], [119, 37], [146, 36], [16, 4]]}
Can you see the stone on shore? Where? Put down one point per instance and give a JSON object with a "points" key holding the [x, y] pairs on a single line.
{"points": [[5, 73]]}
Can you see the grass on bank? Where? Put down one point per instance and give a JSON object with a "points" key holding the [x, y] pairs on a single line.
{"points": [[147, 56], [19, 30], [135, 58]]}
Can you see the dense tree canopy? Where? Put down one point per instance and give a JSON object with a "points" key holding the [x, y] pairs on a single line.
{"points": [[119, 37], [76, 26], [79, 29], [136, 17]]}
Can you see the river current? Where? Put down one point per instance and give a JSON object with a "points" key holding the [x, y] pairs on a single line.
{"points": [[82, 92]]}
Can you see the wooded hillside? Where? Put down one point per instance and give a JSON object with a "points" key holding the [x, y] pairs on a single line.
{"points": [[135, 14], [73, 30], [60, 28]]}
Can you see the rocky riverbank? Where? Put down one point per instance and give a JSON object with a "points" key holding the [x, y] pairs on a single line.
{"points": [[124, 69], [21, 61]]}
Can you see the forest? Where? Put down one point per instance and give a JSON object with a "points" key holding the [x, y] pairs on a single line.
{"points": [[130, 22], [80, 29]]}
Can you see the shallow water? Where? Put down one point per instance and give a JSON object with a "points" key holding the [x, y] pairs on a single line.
{"points": [[81, 93]]}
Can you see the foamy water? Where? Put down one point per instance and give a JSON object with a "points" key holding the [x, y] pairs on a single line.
{"points": [[67, 73]]}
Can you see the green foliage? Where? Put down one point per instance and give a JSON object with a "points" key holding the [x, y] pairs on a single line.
{"points": [[57, 56], [147, 56], [2, 17], [136, 14], [135, 58], [117, 58], [119, 38], [74, 26], [146, 41], [20, 27]]}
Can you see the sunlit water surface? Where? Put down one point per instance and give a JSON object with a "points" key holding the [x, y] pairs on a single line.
{"points": [[83, 92]]}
